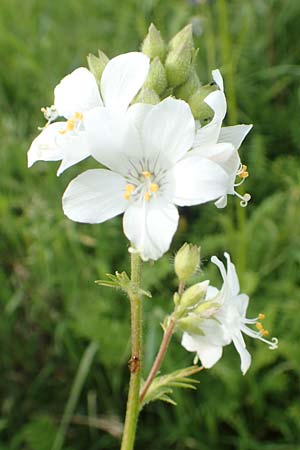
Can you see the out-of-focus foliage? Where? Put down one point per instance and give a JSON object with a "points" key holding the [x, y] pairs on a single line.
{"points": [[50, 307]]}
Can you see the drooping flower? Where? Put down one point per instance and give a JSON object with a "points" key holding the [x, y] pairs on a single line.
{"points": [[228, 323], [149, 172], [213, 133], [77, 94]]}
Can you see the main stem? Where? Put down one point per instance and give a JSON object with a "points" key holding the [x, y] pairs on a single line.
{"points": [[132, 410]]}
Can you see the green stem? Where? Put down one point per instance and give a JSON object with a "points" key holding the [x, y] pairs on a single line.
{"points": [[82, 372], [132, 410]]}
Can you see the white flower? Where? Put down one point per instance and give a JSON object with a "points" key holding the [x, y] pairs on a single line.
{"points": [[77, 94], [150, 172], [228, 323], [213, 133]]}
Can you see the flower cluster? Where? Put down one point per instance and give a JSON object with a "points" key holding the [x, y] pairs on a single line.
{"points": [[157, 151]]}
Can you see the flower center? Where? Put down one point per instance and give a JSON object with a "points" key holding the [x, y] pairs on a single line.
{"points": [[143, 185], [73, 124]]}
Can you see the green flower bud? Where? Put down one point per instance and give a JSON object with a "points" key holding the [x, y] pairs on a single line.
{"points": [[147, 95], [207, 309], [191, 324], [194, 294], [97, 64], [187, 261], [157, 79], [187, 89], [179, 64], [200, 109], [153, 44], [184, 36]]}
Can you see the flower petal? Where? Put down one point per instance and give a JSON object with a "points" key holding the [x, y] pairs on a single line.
{"points": [[198, 180], [77, 92], [245, 356], [223, 154], [45, 146], [150, 227], [232, 278], [137, 114], [95, 196], [75, 149], [113, 139], [218, 79], [122, 78], [209, 354], [169, 130], [221, 202], [235, 134]]}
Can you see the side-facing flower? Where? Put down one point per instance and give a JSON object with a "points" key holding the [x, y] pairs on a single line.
{"points": [[228, 323], [77, 94], [213, 133], [150, 172]]}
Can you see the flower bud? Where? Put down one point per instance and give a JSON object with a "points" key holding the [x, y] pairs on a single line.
{"points": [[179, 64], [187, 261], [187, 89], [184, 36], [153, 44], [157, 79], [191, 324], [97, 64], [148, 96], [200, 109], [194, 294]]}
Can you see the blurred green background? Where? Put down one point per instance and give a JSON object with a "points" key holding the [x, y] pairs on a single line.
{"points": [[53, 316]]}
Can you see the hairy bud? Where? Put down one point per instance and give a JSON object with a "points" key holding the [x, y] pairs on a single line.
{"points": [[194, 294], [153, 44], [157, 79], [148, 96], [187, 261], [200, 109], [97, 64]]}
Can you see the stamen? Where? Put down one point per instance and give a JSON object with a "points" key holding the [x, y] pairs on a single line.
{"points": [[243, 173], [78, 116], [265, 332], [70, 125], [259, 326], [127, 195], [129, 187], [147, 196], [261, 316], [154, 187], [147, 174]]}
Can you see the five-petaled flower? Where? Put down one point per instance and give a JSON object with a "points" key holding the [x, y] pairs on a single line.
{"points": [[77, 94], [150, 171], [228, 323]]}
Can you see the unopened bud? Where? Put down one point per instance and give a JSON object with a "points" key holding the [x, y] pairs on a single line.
{"points": [[194, 294], [157, 79], [184, 36], [179, 64], [97, 64], [191, 324], [200, 109], [187, 261], [148, 96], [187, 89], [153, 44]]}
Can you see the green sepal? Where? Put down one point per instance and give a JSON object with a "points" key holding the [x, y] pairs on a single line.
{"points": [[122, 281], [97, 64], [161, 387]]}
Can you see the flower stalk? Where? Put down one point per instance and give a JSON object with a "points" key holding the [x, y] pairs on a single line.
{"points": [[132, 409]]}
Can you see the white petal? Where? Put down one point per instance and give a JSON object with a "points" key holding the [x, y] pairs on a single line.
{"points": [[241, 302], [77, 92], [45, 146], [137, 114], [221, 202], [235, 134], [122, 78], [211, 293], [223, 154], [95, 196], [150, 227], [209, 354], [217, 77], [232, 278], [198, 180], [243, 352], [169, 130], [75, 149], [113, 139]]}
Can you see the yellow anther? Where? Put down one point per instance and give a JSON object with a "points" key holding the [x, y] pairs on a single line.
{"points": [[265, 333], [147, 196], [70, 125], [127, 195], [78, 116], [259, 326], [243, 173], [129, 188], [147, 174], [154, 187], [261, 316], [62, 131]]}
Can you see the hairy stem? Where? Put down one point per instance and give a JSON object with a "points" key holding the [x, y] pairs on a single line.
{"points": [[132, 410]]}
